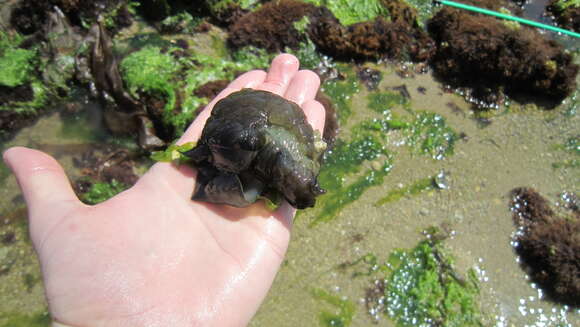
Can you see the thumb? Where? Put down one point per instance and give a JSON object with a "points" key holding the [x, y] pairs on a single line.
{"points": [[46, 189]]}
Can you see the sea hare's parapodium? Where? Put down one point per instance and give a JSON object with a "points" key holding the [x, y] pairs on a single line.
{"points": [[257, 144]]}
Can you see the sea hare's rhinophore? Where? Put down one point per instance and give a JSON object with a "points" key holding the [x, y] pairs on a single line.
{"points": [[257, 144]]}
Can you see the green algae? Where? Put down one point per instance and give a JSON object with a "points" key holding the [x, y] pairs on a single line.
{"points": [[420, 287], [351, 12], [562, 5], [23, 320], [381, 101], [424, 131], [155, 73], [429, 134], [572, 146], [424, 289], [344, 310], [111, 14], [341, 93], [346, 159], [333, 202], [217, 6], [183, 22], [100, 192], [425, 9], [173, 153], [151, 71], [422, 185], [16, 67], [16, 64]]}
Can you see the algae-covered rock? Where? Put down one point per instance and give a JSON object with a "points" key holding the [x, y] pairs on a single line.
{"points": [[482, 52], [257, 144], [271, 27], [395, 35], [21, 93], [549, 245]]}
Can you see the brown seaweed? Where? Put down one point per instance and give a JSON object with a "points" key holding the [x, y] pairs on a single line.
{"points": [[484, 53], [549, 245], [257, 144], [123, 114]]}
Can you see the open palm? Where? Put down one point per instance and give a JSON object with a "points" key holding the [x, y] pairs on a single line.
{"points": [[150, 256]]}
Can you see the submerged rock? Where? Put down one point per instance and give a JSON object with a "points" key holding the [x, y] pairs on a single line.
{"points": [[257, 144], [486, 53], [548, 245]]}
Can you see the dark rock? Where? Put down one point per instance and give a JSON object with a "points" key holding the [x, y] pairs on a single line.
{"points": [[370, 77]]}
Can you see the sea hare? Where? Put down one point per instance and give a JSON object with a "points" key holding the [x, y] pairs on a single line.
{"points": [[257, 144]]}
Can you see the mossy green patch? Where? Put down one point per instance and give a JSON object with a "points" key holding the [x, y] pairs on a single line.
{"points": [[425, 132], [341, 93], [420, 287], [23, 320], [173, 153], [425, 9], [429, 134], [100, 192], [339, 198], [346, 159], [350, 12], [382, 101], [160, 74], [341, 316], [424, 289], [151, 71], [216, 6], [422, 185], [572, 146], [562, 5], [16, 67], [182, 22]]}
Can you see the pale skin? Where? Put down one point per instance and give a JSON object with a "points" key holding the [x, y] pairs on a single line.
{"points": [[150, 256]]}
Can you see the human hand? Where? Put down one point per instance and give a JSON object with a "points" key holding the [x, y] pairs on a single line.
{"points": [[150, 256]]}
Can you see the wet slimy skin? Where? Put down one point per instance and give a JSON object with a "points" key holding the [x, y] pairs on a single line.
{"points": [[257, 144]]}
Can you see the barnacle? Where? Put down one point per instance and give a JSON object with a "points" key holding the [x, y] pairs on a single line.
{"points": [[257, 144]]}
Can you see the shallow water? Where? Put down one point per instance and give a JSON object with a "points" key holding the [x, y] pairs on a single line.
{"points": [[515, 150]]}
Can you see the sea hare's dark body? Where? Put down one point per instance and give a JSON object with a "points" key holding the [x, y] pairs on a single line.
{"points": [[255, 144]]}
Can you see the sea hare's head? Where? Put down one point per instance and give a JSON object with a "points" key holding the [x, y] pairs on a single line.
{"points": [[301, 192]]}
